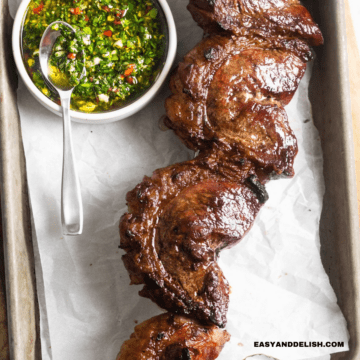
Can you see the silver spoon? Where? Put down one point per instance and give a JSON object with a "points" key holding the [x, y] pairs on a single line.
{"points": [[71, 203]]}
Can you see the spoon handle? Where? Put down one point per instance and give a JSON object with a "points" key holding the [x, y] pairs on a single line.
{"points": [[71, 204]]}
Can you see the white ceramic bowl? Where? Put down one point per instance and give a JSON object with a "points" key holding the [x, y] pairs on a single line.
{"points": [[101, 117]]}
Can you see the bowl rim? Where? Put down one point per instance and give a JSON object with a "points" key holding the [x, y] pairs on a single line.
{"points": [[108, 116]]}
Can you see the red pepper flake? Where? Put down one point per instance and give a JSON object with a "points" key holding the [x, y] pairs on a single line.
{"points": [[122, 77], [106, 8], [110, 89], [130, 79], [75, 11], [120, 14], [86, 18], [91, 79], [108, 33], [116, 90], [71, 56], [38, 9], [129, 70], [148, 8], [117, 22]]}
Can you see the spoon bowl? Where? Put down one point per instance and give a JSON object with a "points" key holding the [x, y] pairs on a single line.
{"points": [[71, 203], [52, 32]]}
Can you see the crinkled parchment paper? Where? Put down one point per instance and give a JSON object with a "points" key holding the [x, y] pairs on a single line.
{"points": [[355, 13], [280, 291]]}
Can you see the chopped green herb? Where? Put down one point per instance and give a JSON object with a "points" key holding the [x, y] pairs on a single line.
{"points": [[122, 41]]}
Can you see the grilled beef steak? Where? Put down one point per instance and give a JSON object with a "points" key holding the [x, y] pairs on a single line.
{"points": [[178, 221], [228, 100], [172, 337], [267, 18], [230, 92]]}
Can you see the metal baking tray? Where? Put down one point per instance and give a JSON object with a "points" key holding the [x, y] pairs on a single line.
{"points": [[22, 304], [339, 226]]}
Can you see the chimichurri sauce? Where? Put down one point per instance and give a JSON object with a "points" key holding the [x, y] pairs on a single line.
{"points": [[122, 41], [66, 62]]}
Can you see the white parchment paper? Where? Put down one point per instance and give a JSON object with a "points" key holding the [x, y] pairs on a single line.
{"points": [[280, 291], [355, 13]]}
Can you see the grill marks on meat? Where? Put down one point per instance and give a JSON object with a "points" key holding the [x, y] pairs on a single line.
{"points": [[194, 227], [230, 92], [172, 337], [272, 143], [178, 221], [267, 18], [258, 73]]}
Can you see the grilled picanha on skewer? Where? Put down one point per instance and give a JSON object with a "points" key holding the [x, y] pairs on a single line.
{"points": [[178, 221], [228, 102], [267, 18], [172, 337], [229, 92]]}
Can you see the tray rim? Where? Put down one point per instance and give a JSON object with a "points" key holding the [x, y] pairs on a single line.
{"points": [[22, 306]]}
